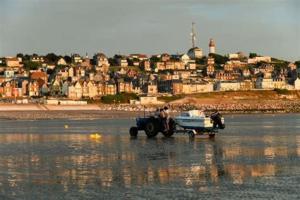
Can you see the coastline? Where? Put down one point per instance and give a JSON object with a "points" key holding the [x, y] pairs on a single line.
{"points": [[93, 111]]}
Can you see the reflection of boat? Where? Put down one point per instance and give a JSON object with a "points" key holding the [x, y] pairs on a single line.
{"points": [[197, 121]]}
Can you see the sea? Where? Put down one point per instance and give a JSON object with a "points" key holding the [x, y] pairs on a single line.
{"points": [[255, 157]]}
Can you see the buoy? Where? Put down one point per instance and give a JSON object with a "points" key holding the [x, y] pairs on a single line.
{"points": [[95, 136], [66, 126]]}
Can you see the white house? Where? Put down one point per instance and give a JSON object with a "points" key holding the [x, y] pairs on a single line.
{"points": [[257, 59], [228, 85], [185, 58]]}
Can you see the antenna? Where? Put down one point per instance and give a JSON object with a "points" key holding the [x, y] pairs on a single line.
{"points": [[193, 35]]}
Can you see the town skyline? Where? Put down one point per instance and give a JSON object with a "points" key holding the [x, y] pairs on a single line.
{"points": [[68, 28]]}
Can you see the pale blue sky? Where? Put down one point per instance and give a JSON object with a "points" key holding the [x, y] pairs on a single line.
{"points": [[269, 27]]}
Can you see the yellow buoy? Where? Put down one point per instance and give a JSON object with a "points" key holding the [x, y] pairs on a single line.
{"points": [[95, 136], [66, 126]]}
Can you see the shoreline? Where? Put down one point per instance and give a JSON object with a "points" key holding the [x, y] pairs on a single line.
{"points": [[93, 111]]}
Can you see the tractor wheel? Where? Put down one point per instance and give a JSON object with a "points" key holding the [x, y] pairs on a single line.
{"points": [[172, 128], [191, 134], [133, 131], [151, 128]]}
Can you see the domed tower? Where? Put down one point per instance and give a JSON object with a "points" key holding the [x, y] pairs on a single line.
{"points": [[212, 46]]}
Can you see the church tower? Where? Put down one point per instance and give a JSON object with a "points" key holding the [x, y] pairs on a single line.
{"points": [[212, 46]]}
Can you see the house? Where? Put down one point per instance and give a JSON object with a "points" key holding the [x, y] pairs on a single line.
{"points": [[25, 87], [92, 89], [151, 89], [13, 62], [225, 76], [191, 65], [148, 100], [56, 88], [85, 89], [265, 83], [210, 61], [61, 61], [9, 73], [257, 59], [7, 89], [44, 89], [36, 58], [140, 57], [39, 75], [160, 66], [110, 88], [246, 73], [210, 70], [122, 61], [75, 91], [125, 86], [185, 59], [146, 65], [227, 85], [165, 57], [86, 63], [195, 53], [33, 88], [65, 88], [71, 72], [76, 58], [246, 85], [101, 59], [190, 87]]}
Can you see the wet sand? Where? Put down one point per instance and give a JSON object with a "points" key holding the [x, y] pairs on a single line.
{"points": [[255, 157]]}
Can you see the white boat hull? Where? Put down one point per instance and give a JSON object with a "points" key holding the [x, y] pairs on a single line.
{"points": [[194, 122]]}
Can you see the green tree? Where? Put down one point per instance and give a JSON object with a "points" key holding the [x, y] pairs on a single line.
{"points": [[52, 58], [219, 59], [28, 65], [297, 63], [252, 55], [68, 59]]}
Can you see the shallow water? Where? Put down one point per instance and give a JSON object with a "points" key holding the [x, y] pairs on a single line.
{"points": [[255, 157]]}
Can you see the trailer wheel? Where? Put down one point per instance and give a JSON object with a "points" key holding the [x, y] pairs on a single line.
{"points": [[133, 131], [151, 128]]}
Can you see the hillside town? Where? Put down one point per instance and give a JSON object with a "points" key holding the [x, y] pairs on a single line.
{"points": [[29, 78]]}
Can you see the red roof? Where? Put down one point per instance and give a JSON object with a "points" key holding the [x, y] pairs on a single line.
{"points": [[38, 75]]}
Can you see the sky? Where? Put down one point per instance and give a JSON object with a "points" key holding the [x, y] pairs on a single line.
{"points": [[267, 27]]}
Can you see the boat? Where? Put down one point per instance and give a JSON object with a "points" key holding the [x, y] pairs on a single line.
{"points": [[197, 120]]}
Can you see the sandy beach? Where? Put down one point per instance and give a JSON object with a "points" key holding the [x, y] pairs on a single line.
{"points": [[96, 111]]}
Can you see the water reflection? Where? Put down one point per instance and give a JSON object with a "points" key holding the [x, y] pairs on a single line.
{"points": [[76, 161]]}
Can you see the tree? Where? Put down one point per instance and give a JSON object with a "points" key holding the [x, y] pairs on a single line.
{"points": [[252, 55], [201, 61], [52, 58], [219, 59], [28, 65], [20, 55], [68, 59], [297, 63]]}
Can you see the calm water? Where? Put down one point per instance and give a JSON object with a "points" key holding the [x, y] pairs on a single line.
{"points": [[255, 157]]}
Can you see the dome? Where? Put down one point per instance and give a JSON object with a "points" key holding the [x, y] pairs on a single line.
{"points": [[195, 53]]}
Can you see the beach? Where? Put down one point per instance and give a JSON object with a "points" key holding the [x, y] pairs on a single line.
{"points": [[104, 111]]}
